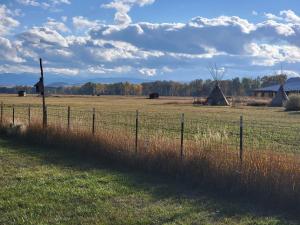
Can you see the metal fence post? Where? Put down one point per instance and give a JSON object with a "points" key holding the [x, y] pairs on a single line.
{"points": [[29, 114], [181, 136], [241, 139], [93, 125], [13, 114], [1, 113], [69, 115], [136, 130]]}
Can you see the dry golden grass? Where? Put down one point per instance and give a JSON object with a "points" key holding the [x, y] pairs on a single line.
{"points": [[264, 175]]}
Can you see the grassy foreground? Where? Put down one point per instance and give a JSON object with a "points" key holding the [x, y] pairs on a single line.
{"points": [[39, 186]]}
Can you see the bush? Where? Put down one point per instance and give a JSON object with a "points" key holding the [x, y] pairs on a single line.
{"points": [[293, 104]]}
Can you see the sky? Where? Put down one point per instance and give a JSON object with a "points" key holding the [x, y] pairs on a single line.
{"points": [[150, 39]]}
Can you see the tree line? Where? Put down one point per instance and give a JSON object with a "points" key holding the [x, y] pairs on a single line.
{"points": [[231, 87]]}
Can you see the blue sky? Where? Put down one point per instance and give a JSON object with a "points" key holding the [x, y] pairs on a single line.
{"points": [[155, 39]]}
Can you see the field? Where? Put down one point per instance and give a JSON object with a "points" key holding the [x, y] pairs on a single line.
{"points": [[264, 128], [47, 186]]}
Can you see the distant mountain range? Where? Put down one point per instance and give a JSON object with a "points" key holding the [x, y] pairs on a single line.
{"points": [[53, 80]]}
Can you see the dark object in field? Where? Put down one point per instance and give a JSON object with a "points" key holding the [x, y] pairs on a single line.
{"points": [[217, 97], [39, 86], [153, 96], [21, 93], [293, 103], [280, 98]]}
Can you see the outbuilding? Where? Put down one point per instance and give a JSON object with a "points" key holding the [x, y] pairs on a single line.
{"points": [[291, 86], [153, 95], [21, 93]]}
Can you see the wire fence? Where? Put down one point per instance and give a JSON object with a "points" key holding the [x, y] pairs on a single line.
{"points": [[239, 135]]}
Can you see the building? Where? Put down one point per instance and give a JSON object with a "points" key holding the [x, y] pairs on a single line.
{"points": [[153, 95], [291, 86], [21, 93]]}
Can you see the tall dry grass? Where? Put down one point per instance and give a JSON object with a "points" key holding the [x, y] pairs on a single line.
{"points": [[263, 175]]}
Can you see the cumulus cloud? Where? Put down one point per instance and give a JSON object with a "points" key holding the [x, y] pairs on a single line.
{"points": [[56, 25], [50, 4], [8, 52], [123, 7], [7, 23], [153, 49], [82, 23], [43, 37]]}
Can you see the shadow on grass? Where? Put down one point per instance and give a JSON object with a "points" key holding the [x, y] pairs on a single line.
{"points": [[160, 187]]}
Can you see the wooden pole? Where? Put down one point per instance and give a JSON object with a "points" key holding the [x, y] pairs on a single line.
{"points": [[136, 130], [29, 114], [13, 114], [69, 115], [43, 95], [1, 113], [241, 139], [181, 136], [94, 117]]}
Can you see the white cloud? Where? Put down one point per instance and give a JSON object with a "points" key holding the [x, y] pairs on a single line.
{"points": [[56, 25], [148, 71], [254, 13], [50, 4], [29, 2], [82, 23], [154, 49], [8, 51], [43, 37], [123, 7], [290, 16], [269, 55], [7, 23]]}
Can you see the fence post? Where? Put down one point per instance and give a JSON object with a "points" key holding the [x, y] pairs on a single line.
{"points": [[136, 130], [69, 115], [13, 114], [1, 113], [29, 114], [93, 125], [241, 139], [45, 119], [181, 136]]}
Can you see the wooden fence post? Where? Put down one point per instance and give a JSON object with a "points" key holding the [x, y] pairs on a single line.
{"points": [[136, 131], [45, 117], [1, 113], [69, 115], [241, 139], [29, 114], [94, 117], [13, 114], [181, 136]]}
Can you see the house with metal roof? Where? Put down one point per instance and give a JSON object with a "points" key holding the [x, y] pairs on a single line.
{"points": [[291, 86]]}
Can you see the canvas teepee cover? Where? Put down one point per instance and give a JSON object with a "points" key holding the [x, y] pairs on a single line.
{"points": [[280, 98], [217, 97]]}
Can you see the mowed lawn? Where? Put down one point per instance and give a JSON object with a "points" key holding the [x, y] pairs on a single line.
{"points": [[42, 186]]}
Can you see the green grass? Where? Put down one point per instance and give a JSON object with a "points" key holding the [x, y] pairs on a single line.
{"points": [[265, 128], [42, 186]]}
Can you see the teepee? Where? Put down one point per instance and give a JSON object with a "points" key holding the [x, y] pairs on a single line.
{"points": [[217, 97], [280, 98]]}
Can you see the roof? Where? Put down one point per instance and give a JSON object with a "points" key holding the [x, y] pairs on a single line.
{"points": [[292, 84]]}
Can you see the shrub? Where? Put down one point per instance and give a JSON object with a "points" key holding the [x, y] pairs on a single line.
{"points": [[293, 104]]}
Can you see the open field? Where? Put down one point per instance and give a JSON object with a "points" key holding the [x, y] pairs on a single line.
{"points": [[264, 128], [46, 186]]}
